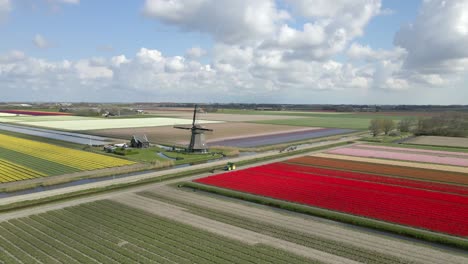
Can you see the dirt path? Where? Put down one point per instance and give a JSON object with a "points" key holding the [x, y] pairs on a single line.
{"points": [[319, 227], [246, 236]]}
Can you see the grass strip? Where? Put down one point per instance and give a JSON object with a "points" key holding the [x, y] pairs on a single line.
{"points": [[337, 216]]}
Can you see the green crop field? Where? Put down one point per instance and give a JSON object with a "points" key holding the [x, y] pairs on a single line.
{"points": [[109, 232], [319, 119], [329, 122]]}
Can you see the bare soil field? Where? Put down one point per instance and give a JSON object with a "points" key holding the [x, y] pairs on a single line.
{"points": [[221, 117], [439, 141], [222, 131]]}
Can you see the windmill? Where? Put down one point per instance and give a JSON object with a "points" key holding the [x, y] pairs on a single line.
{"points": [[197, 139]]}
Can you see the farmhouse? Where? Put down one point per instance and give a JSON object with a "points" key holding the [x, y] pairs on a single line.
{"points": [[139, 142]]}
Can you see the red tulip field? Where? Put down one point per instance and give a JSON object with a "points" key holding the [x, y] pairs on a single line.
{"points": [[428, 205]]}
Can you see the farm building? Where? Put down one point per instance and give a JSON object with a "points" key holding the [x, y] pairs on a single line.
{"points": [[139, 142]]}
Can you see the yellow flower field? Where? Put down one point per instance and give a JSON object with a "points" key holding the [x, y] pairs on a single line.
{"points": [[10, 171], [78, 159]]}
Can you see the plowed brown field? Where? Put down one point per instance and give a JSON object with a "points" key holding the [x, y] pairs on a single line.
{"points": [[222, 131]]}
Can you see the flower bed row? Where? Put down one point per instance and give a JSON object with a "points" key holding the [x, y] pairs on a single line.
{"points": [[415, 173], [412, 150], [439, 187], [385, 154], [436, 211]]}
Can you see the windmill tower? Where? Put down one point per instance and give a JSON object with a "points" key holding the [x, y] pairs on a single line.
{"points": [[197, 139]]}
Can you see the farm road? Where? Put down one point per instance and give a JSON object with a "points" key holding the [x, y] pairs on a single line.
{"points": [[316, 226], [246, 236]]}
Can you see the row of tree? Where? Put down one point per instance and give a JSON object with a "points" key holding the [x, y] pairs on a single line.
{"points": [[379, 125], [453, 124]]}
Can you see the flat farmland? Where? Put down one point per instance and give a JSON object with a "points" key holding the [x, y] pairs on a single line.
{"points": [[6, 114], [22, 159], [405, 154], [273, 139], [410, 164], [425, 172], [222, 131], [110, 232], [439, 141], [35, 113], [21, 119], [220, 116], [329, 121], [433, 206], [100, 123]]}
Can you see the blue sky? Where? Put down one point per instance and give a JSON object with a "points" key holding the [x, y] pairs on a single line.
{"points": [[359, 51]]}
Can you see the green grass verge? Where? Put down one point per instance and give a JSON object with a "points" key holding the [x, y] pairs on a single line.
{"points": [[385, 138], [337, 216], [149, 155], [342, 249]]}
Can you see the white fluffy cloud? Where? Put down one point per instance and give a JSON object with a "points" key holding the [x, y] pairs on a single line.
{"points": [[239, 21], [360, 52], [5, 8], [330, 26], [236, 72], [195, 53], [40, 41], [327, 30], [437, 40], [260, 51]]}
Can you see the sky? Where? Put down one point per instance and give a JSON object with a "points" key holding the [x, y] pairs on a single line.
{"points": [[235, 51]]}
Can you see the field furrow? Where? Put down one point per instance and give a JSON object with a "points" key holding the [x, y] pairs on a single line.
{"points": [[110, 232], [403, 155], [428, 166], [428, 209]]}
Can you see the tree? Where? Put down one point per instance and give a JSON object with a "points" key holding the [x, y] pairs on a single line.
{"points": [[387, 125], [375, 127], [405, 124]]}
